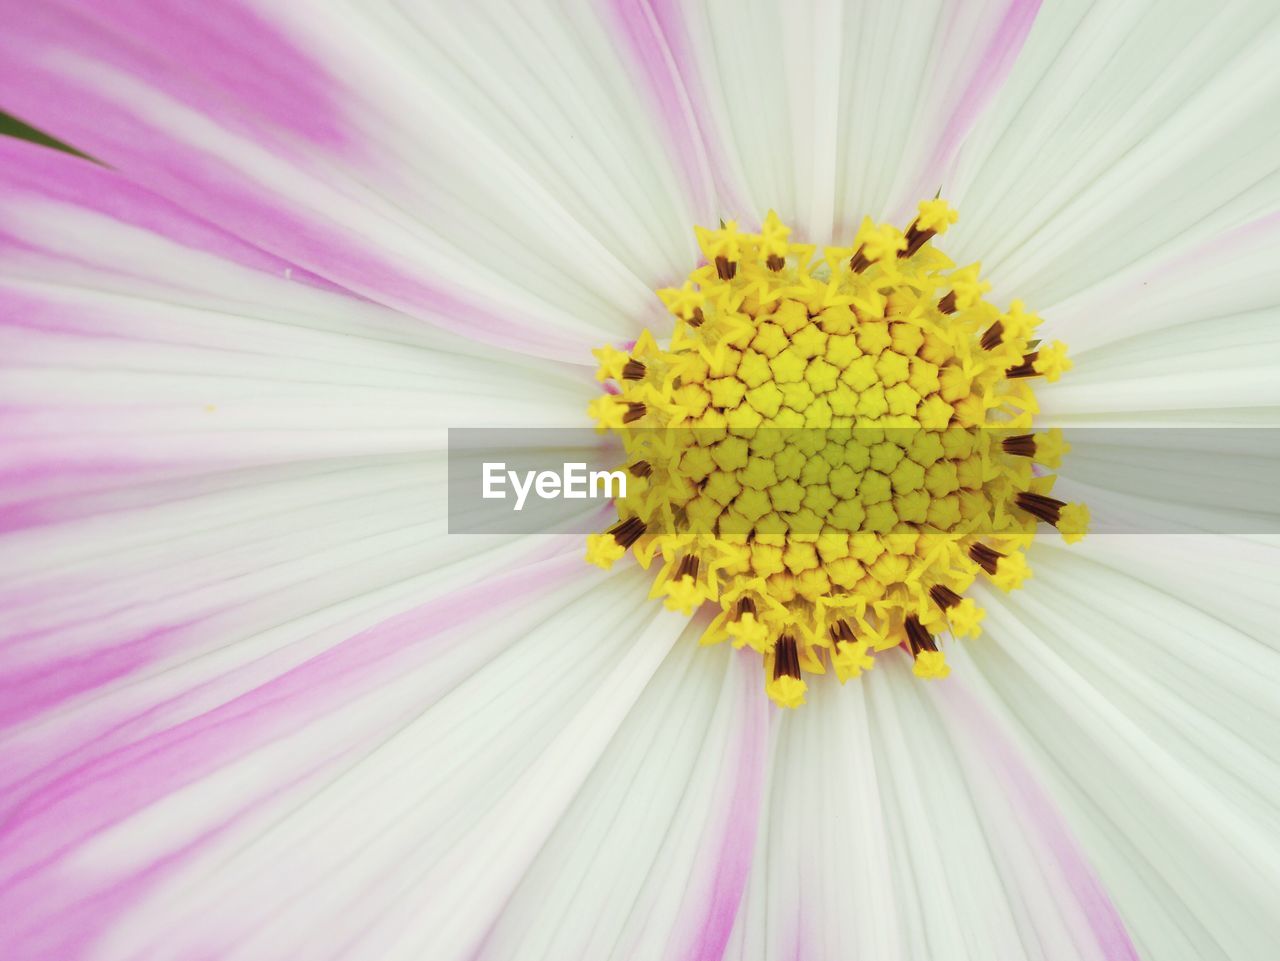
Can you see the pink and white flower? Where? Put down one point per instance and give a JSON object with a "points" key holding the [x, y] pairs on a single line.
{"points": [[256, 704]]}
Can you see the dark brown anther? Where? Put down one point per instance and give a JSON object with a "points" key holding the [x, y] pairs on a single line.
{"points": [[641, 468], [786, 657], [628, 532], [985, 557], [841, 632], [775, 263], [745, 606], [1045, 508], [1025, 369], [944, 596], [634, 412], [916, 238], [726, 269], [859, 262], [1020, 445], [698, 318], [688, 567], [948, 303], [994, 335], [633, 370], [917, 637]]}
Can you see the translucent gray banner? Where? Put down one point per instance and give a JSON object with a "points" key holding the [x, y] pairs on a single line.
{"points": [[1133, 480]]}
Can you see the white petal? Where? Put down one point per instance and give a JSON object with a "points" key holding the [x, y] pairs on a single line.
{"points": [[835, 112], [888, 837], [1124, 129], [822, 879], [342, 822], [1146, 689], [408, 156], [651, 858], [1185, 336]]}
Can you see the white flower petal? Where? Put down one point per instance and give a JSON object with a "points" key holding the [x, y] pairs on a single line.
{"points": [[404, 155], [894, 831], [223, 497], [141, 344], [822, 880], [391, 816], [1175, 479], [1145, 684], [1124, 129], [1203, 290], [651, 858], [835, 112]]}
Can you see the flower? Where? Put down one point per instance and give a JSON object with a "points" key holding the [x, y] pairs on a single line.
{"points": [[255, 703], [827, 451]]}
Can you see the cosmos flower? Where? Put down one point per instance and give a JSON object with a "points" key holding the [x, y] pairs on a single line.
{"points": [[257, 703]]}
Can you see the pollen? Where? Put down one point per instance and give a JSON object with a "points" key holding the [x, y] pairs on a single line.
{"points": [[832, 446]]}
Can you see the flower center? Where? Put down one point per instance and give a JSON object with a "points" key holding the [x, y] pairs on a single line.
{"points": [[832, 447]]}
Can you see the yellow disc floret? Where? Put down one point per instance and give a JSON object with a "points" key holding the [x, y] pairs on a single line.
{"points": [[832, 447]]}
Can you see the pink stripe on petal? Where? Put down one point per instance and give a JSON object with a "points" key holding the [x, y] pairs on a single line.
{"points": [[715, 892], [1224, 248], [30, 172], [991, 68], [58, 812], [29, 692], [51, 72], [979, 734], [659, 44], [51, 742], [243, 70], [58, 923], [62, 921]]}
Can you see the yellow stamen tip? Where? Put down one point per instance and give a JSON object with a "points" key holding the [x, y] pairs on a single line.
{"points": [[931, 665], [1011, 572], [603, 550], [964, 619], [1073, 522], [1051, 448], [852, 659], [936, 215], [1052, 361], [786, 691]]}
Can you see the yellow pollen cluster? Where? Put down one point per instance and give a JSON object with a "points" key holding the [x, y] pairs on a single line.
{"points": [[833, 446]]}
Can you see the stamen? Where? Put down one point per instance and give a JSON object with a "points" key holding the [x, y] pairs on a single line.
{"points": [[985, 557], [698, 318], [745, 606], [917, 637], [1021, 445], [725, 268], [628, 532], [1048, 509], [633, 370], [859, 261], [944, 596], [916, 238], [786, 658], [688, 567], [1025, 369], [930, 662], [634, 412], [841, 632], [994, 335], [641, 468], [947, 304], [775, 263]]}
